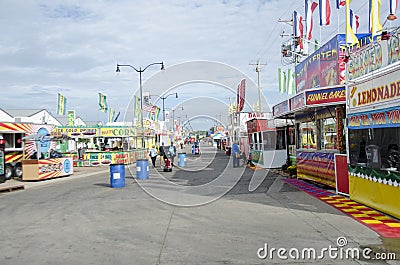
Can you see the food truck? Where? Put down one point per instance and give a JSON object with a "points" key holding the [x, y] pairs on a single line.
{"points": [[28, 152], [373, 115]]}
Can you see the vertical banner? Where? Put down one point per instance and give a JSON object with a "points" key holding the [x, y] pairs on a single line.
{"points": [[340, 128], [241, 93], [111, 113], [103, 102], [71, 118], [61, 104]]}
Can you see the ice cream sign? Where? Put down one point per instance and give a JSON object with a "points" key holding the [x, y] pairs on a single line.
{"points": [[375, 119]]}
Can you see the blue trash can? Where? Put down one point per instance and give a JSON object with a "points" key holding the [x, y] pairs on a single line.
{"points": [[142, 169], [193, 149], [182, 159], [117, 175]]}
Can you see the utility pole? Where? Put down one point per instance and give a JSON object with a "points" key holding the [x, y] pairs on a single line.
{"points": [[258, 70]]}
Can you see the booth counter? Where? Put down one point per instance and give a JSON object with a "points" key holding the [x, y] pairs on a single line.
{"points": [[103, 158], [47, 168]]}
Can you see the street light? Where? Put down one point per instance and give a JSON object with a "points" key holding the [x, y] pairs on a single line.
{"points": [[140, 71], [163, 106]]}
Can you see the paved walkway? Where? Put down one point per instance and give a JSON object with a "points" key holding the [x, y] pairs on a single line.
{"points": [[81, 220]]}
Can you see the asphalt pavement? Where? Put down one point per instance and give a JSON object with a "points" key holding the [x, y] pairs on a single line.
{"points": [[204, 213]]}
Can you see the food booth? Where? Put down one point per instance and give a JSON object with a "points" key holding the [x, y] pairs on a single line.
{"points": [[40, 162], [268, 142], [104, 145], [373, 114]]}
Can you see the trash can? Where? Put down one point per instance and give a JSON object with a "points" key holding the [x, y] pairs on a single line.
{"points": [[182, 159], [117, 175], [142, 169], [193, 149]]}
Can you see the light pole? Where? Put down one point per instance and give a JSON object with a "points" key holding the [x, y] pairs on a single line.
{"points": [[163, 106], [140, 71]]}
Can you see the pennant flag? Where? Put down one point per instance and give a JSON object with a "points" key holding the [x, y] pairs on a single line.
{"points": [[340, 3], [375, 25], [316, 45], [291, 84], [309, 20], [137, 111], [154, 113], [392, 8], [103, 102], [240, 96], [232, 108], [282, 80], [298, 28], [354, 24], [61, 104], [111, 113], [324, 13], [350, 36]]}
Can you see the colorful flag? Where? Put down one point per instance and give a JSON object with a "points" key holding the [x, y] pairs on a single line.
{"points": [[351, 38], [298, 28], [282, 80], [111, 113], [354, 24], [103, 102], [291, 82], [393, 6], [240, 97], [375, 25], [137, 111], [154, 113], [324, 12], [316, 45], [340, 3], [310, 7], [61, 104]]}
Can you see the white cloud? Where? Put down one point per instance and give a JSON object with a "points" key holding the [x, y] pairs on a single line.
{"points": [[73, 46]]}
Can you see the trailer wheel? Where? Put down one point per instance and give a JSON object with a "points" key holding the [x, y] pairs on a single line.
{"points": [[18, 171], [9, 172]]}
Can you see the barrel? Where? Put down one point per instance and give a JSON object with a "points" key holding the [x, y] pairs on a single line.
{"points": [[193, 149], [117, 175], [182, 159], [142, 169]]}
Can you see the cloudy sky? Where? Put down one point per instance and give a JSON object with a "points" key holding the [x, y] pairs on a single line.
{"points": [[72, 47]]}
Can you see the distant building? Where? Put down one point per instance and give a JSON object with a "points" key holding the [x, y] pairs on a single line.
{"points": [[39, 116]]}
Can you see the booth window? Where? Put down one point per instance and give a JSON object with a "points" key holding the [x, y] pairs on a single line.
{"points": [[328, 134], [12, 140], [280, 139], [306, 135], [292, 136], [269, 140], [375, 148]]}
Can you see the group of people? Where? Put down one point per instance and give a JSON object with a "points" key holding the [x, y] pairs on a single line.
{"points": [[237, 155], [165, 152]]}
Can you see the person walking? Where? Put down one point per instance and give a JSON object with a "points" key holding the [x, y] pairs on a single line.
{"points": [[161, 152], [153, 155], [235, 154], [172, 152]]}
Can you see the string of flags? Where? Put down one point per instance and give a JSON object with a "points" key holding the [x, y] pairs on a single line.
{"points": [[301, 31]]}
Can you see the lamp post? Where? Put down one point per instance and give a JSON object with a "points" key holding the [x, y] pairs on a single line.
{"points": [[140, 71], [163, 106]]}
